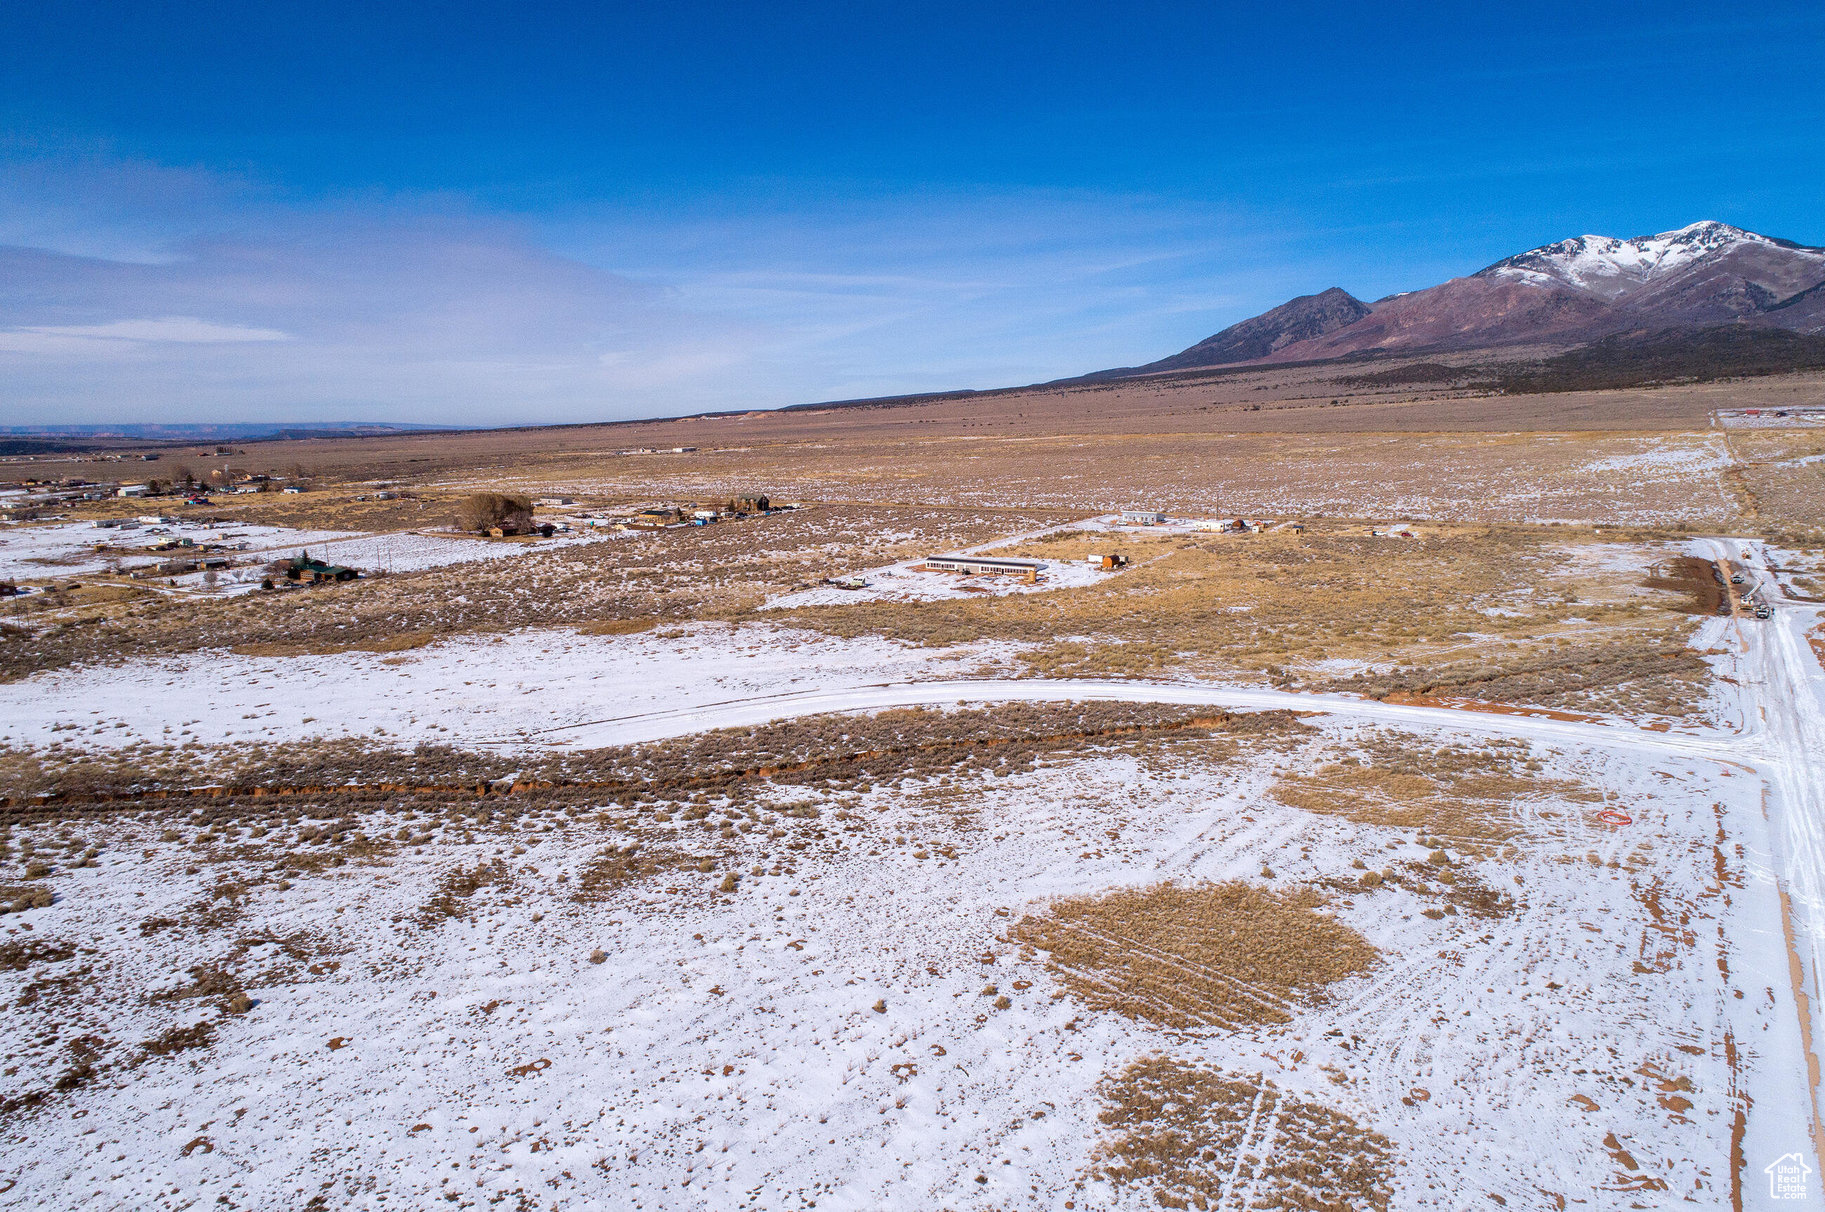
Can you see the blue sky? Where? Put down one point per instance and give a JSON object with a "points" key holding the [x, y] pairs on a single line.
{"points": [[470, 213]]}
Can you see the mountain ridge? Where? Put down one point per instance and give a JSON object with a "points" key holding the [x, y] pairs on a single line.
{"points": [[1304, 318], [1569, 292]]}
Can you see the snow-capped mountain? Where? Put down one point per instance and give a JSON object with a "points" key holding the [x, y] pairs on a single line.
{"points": [[1609, 267], [1565, 293]]}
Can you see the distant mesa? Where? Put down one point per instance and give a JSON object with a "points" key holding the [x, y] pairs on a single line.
{"points": [[1564, 294], [178, 432]]}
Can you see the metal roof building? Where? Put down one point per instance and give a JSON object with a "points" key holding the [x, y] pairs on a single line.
{"points": [[983, 565]]}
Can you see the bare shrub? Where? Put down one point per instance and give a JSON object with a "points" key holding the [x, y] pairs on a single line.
{"points": [[1627, 673], [459, 885], [15, 899], [832, 749], [1197, 955], [181, 1039], [1456, 889], [17, 956], [1698, 580], [617, 867]]}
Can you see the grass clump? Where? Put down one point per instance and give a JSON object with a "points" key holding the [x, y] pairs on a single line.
{"points": [[460, 884], [17, 898], [181, 1039], [1198, 1138], [619, 866], [1204, 955], [1472, 798]]}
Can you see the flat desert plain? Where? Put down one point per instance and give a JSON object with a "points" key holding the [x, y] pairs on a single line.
{"points": [[1419, 804]]}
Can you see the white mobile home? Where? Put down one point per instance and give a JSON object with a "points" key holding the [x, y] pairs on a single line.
{"points": [[971, 565]]}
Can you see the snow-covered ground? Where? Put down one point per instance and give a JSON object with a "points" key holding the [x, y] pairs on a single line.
{"points": [[1610, 1042], [413, 551], [1112, 524], [911, 581], [730, 1053], [62, 549], [1801, 417], [466, 690], [1659, 456], [556, 687]]}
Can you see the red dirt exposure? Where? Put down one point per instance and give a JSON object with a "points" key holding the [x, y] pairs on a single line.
{"points": [[1700, 580]]}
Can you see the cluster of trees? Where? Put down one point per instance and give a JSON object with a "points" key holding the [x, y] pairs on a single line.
{"points": [[483, 511], [184, 478]]}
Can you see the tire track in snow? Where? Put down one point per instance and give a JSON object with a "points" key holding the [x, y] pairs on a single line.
{"points": [[767, 709]]}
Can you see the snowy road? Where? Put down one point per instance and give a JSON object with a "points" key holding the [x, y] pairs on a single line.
{"points": [[1784, 682], [748, 712]]}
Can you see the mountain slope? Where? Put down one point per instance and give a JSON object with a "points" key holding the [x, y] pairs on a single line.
{"points": [[1303, 319], [1567, 293]]}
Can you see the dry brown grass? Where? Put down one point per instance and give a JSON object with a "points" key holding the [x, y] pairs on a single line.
{"points": [[17, 898], [456, 891], [86, 594], [17, 955], [181, 1039], [1651, 674], [618, 867], [1778, 480], [668, 576], [1480, 611], [1470, 797], [206, 980], [819, 750], [337, 510], [1248, 601], [1197, 1138], [160, 771], [1203, 955]]}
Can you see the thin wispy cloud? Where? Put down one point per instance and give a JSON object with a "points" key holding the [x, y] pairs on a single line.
{"points": [[182, 330], [219, 300]]}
